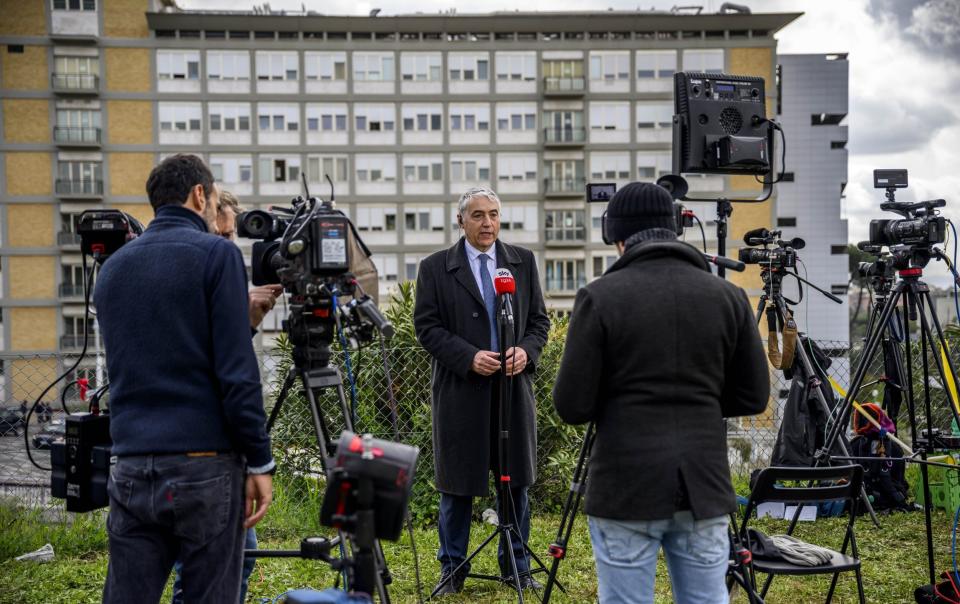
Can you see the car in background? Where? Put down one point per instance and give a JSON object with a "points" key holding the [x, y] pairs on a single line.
{"points": [[11, 421], [51, 432]]}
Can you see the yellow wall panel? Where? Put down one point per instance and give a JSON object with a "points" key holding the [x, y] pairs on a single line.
{"points": [[29, 377], [128, 69], [26, 70], [753, 62], [130, 122], [30, 224], [26, 121], [33, 329], [125, 18], [141, 211], [32, 277], [28, 174], [23, 18], [128, 173]]}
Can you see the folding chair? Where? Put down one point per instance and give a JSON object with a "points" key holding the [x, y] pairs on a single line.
{"points": [[825, 484]]}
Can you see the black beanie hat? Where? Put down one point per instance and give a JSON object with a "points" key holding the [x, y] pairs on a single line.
{"points": [[637, 207]]}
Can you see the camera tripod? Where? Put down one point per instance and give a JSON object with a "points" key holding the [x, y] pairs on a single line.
{"points": [[507, 529], [774, 305], [311, 328], [912, 296]]}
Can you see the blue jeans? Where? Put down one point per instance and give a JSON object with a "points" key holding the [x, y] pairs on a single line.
{"points": [[454, 529], [165, 507], [248, 564], [697, 553]]}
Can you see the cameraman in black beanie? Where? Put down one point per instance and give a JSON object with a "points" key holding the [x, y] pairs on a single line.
{"points": [[658, 352]]}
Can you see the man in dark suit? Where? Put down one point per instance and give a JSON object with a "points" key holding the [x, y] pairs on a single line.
{"points": [[455, 322], [658, 352]]}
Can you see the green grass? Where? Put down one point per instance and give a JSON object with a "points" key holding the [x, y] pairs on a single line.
{"points": [[894, 559]]}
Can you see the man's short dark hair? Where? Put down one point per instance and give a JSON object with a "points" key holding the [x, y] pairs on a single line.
{"points": [[170, 182]]}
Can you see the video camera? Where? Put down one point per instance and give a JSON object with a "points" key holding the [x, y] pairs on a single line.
{"points": [[784, 255], [604, 192], [921, 224], [315, 253]]}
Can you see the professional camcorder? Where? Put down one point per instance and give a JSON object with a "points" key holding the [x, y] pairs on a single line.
{"points": [[783, 255], [921, 224]]}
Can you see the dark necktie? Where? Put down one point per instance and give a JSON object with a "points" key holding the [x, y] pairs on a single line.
{"points": [[489, 300]]}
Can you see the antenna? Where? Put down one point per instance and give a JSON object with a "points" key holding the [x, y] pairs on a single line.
{"points": [[306, 189]]}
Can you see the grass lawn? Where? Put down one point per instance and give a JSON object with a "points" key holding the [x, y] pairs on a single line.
{"points": [[894, 560]]}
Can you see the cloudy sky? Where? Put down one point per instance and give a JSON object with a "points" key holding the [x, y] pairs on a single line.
{"points": [[904, 78]]}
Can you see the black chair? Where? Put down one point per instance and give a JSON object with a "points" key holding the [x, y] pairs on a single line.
{"points": [[823, 484]]}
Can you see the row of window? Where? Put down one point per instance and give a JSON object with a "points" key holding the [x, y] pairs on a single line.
{"points": [[562, 126], [427, 66]]}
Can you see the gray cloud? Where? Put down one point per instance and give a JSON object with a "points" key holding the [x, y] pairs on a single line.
{"points": [[895, 125], [931, 25]]}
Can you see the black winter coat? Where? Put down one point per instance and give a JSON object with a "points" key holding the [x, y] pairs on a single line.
{"points": [[658, 352], [452, 325]]}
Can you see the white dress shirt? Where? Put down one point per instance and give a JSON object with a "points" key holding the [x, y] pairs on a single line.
{"points": [[473, 257]]}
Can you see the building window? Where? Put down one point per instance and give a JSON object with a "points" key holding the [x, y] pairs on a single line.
{"points": [[423, 218], [469, 170], [229, 169], [374, 118], [376, 219], [656, 63], [838, 289], [703, 61], [827, 119], [609, 66], [278, 118], [279, 169], [420, 67], [277, 66], [469, 117], [516, 167], [376, 168], [788, 177], [327, 118], [180, 117], [609, 166], [319, 167], [838, 249], [178, 64], [228, 65], [411, 264], [422, 169], [601, 264], [373, 66], [516, 117], [83, 5], [657, 115], [786, 221], [565, 225], [80, 177], [565, 275], [652, 166], [229, 117], [386, 267], [838, 144], [610, 116], [325, 66], [517, 66], [422, 118], [518, 217], [468, 67], [77, 125]]}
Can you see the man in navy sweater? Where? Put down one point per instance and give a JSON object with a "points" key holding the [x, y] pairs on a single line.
{"points": [[187, 421]]}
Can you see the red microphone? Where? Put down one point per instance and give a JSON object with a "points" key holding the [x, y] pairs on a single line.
{"points": [[503, 282], [505, 287]]}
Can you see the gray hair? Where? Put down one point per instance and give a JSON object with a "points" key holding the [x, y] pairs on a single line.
{"points": [[474, 192]]}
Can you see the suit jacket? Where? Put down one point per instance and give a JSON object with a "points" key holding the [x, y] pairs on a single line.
{"points": [[452, 324], [658, 352]]}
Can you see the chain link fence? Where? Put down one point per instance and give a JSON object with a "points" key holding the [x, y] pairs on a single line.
{"points": [[751, 440]]}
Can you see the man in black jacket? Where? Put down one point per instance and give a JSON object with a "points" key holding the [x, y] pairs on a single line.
{"points": [[658, 352], [454, 319], [186, 410]]}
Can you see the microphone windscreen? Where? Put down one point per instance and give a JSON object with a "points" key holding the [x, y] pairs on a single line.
{"points": [[760, 233], [503, 282]]}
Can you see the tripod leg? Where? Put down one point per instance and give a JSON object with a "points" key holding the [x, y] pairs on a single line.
{"points": [[926, 341], [281, 397]]}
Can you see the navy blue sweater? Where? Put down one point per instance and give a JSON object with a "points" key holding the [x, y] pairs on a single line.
{"points": [[173, 311]]}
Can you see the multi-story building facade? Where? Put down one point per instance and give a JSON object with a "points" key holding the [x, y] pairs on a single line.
{"points": [[403, 113], [812, 107]]}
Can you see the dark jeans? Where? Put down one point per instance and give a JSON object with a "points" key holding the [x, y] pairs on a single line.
{"points": [[169, 507], [248, 565], [454, 529]]}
